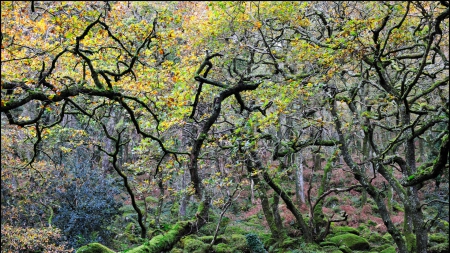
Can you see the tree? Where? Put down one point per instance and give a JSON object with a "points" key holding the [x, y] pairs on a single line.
{"points": [[160, 91]]}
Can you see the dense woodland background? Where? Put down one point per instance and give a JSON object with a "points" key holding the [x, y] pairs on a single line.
{"points": [[224, 126]]}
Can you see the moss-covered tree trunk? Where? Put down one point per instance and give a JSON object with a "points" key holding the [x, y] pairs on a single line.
{"points": [[166, 241], [414, 229], [318, 216], [287, 200], [277, 234]]}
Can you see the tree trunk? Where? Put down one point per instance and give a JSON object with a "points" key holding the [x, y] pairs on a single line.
{"points": [[413, 214], [268, 213], [165, 242]]}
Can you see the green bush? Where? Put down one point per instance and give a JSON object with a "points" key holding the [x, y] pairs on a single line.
{"points": [[254, 243]]}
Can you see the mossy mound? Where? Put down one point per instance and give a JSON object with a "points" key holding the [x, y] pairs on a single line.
{"points": [[390, 249], [375, 238], [352, 241], [344, 230], [208, 238], [223, 248], [387, 238], [439, 248], [345, 249], [191, 244], [94, 248], [438, 238], [382, 247], [327, 243]]}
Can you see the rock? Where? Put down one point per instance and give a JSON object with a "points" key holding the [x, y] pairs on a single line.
{"points": [[391, 249], [345, 230], [94, 248], [352, 241]]}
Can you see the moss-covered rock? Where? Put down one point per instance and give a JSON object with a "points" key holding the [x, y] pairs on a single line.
{"points": [[352, 241], [345, 249], [345, 229], [390, 249], [239, 242], [176, 250], [439, 248], [223, 248], [327, 243], [94, 248], [438, 238], [375, 238], [387, 238], [193, 245], [382, 247]]}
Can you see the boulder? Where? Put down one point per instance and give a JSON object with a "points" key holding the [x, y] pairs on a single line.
{"points": [[352, 241]]}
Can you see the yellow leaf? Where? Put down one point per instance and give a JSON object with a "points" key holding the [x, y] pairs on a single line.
{"points": [[41, 25]]}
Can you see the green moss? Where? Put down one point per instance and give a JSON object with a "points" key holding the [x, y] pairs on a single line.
{"points": [[151, 199], [194, 245], [387, 238], [439, 248], [176, 250], [327, 243], [223, 248], [337, 251], [375, 238], [289, 242], [410, 242], [352, 241], [397, 207], [345, 229], [345, 249], [371, 223], [391, 249], [239, 242], [94, 248], [438, 238], [234, 230], [382, 247]]}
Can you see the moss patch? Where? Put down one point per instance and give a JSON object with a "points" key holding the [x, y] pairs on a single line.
{"points": [[194, 245], [382, 247], [223, 248], [375, 238], [387, 238], [327, 243], [440, 248], [94, 248], [345, 229], [391, 249], [345, 249], [438, 238], [352, 241]]}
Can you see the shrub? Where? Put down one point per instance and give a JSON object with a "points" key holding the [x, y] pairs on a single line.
{"points": [[16, 239], [87, 207], [254, 243]]}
